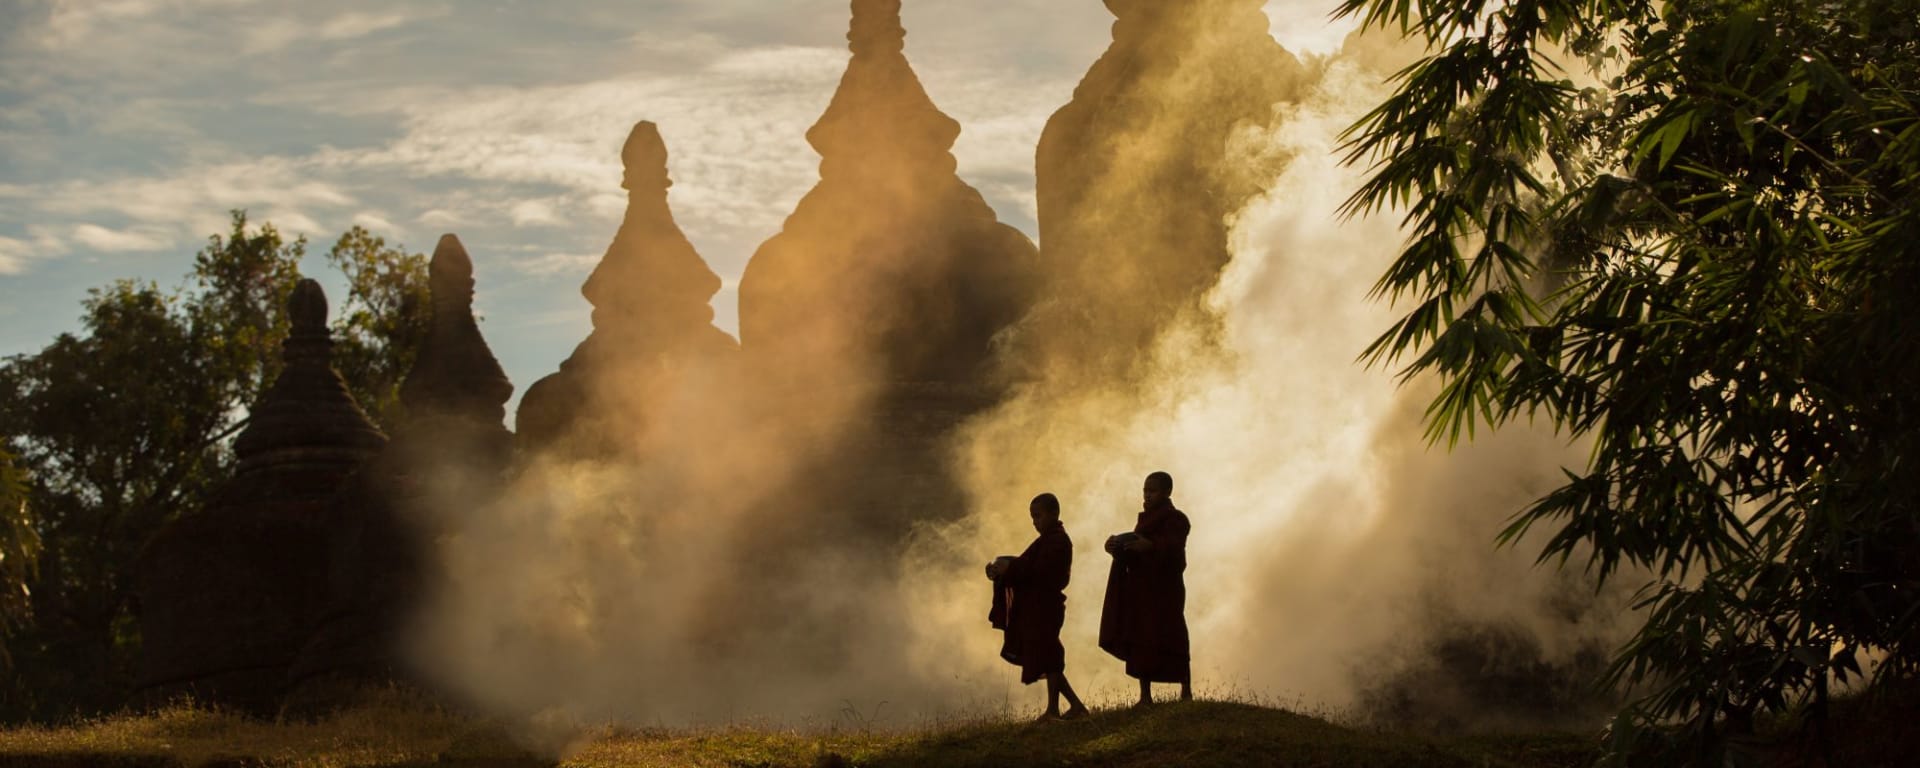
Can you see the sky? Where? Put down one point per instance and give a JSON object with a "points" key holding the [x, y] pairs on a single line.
{"points": [[129, 129]]}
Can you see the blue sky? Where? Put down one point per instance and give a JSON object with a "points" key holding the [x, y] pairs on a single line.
{"points": [[128, 129]]}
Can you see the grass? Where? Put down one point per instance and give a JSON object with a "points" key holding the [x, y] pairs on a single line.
{"points": [[1201, 734]]}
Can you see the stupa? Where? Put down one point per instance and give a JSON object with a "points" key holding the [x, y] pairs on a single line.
{"points": [[892, 277], [447, 456], [892, 264], [1137, 176], [228, 593], [652, 323]]}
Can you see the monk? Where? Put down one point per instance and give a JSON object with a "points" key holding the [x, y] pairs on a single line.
{"points": [[1030, 604], [1143, 620]]}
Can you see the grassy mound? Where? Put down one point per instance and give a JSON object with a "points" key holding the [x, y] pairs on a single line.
{"points": [[1190, 734]]}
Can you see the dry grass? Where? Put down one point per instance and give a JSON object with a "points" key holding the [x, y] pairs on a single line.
{"points": [[403, 732], [389, 732]]}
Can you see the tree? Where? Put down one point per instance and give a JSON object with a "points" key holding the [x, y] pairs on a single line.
{"points": [[236, 307], [128, 424], [380, 324], [121, 430], [19, 552], [1704, 269]]}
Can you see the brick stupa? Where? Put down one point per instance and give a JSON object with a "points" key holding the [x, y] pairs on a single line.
{"points": [[1136, 176], [229, 593], [892, 277], [447, 457], [892, 264], [652, 324]]}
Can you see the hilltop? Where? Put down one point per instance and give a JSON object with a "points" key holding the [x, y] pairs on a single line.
{"points": [[1198, 734]]}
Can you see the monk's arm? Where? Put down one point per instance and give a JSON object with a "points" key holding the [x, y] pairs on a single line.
{"points": [[1042, 565], [1168, 545]]}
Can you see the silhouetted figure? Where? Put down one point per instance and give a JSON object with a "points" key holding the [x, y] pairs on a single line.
{"points": [[1143, 620], [1030, 604]]}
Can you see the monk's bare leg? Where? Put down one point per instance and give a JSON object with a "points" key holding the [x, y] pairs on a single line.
{"points": [[1146, 693], [1186, 687], [1053, 697], [1057, 683]]}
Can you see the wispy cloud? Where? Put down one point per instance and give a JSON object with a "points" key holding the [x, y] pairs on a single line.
{"points": [[14, 254], [17, 253], [557, 264], [375, 222], [74, 22], [530, 213], [117, 240], [283, 188], [281, 33]]}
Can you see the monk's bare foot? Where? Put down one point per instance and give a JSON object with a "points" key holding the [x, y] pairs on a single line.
{"points": [[1186, 696], [1075, 713], [1047, 717]]}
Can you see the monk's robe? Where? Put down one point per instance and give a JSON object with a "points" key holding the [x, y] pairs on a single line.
{"points": [[1030, 604], [1143, 620]]}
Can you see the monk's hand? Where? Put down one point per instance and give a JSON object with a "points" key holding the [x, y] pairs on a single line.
{"points": [[1113, 545], [993, 570], [1140, 545]]}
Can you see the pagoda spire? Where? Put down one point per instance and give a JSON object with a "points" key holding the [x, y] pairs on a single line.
{"points": [[891, 264], [651, 298], [455, 372], [307, 417]]}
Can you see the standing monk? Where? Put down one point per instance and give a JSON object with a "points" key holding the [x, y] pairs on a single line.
{"points": [[1143, 621], [1030, 603]]}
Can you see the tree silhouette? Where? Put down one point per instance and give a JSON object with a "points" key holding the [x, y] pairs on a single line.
{"points": [[1702, 268], [126, 425]]}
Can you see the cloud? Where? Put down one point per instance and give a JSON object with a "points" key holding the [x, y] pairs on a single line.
{"points": [[531, 213], [156, 213], [111, 240], [375, 222], [557, 264], [16, 253], [271, 182], [351, 25], [75, 21], [1308, 26], [277, 34], [440, 218]]}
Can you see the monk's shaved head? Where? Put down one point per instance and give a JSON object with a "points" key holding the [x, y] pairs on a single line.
{"points": [[1161, 481], [1046, 502]]}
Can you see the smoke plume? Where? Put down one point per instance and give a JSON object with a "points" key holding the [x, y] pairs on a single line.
{"points": [[1337, 559]]}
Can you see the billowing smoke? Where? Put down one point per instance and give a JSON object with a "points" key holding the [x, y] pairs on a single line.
{"points": [[1337, 558], [703, 570]]}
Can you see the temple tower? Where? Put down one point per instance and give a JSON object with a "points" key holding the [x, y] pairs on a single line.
{"points": [[1138, 174], [652, 324], [891, 267], [447, 457], [229, 593]]}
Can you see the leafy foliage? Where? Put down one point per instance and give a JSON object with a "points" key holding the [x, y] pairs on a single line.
{"points": [[19, 552], [378, 327], [127, 425], [1704, 269], [118, 427]]}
